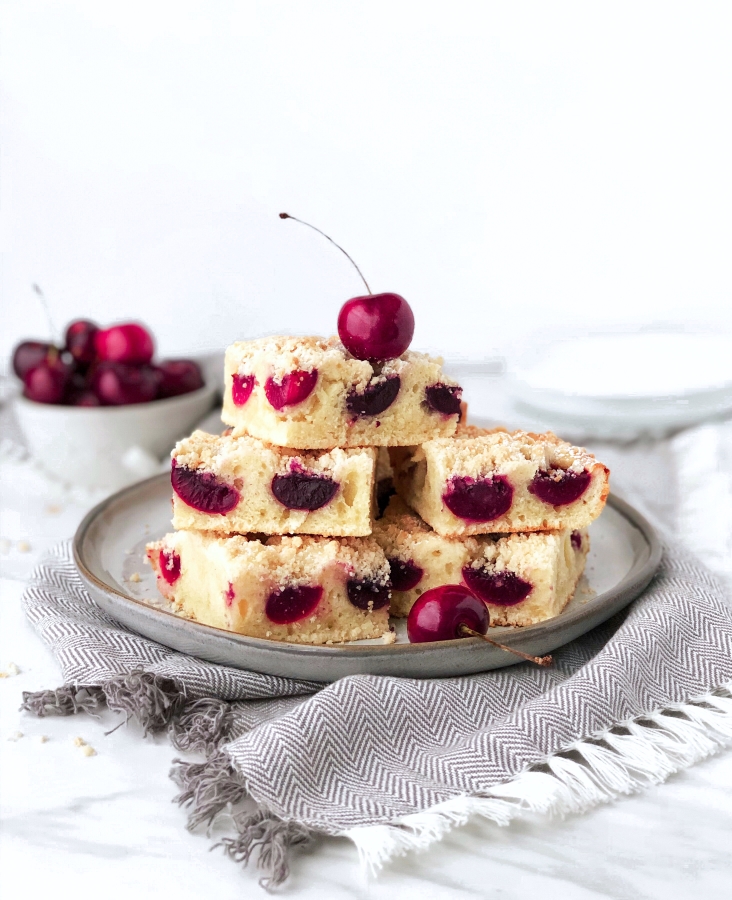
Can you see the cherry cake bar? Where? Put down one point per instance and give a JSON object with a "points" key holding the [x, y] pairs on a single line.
{"points": [[242, 485], [523, 578], [307, 590], [312, 393], [480, 482]]}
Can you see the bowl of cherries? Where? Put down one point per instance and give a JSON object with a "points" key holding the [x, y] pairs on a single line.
{"points": [[98, 410]]}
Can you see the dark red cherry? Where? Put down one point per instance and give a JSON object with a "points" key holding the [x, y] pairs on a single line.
{"points": [[203, 490], [117, 384], [304, 490], [558, 487], [576, 539], [478, 500], [405, 574], [438, 614], [444, 398], [241, 388], [169, 562], [291, 604], [378, 396], [128, 343], [28, 354], [178, 376], [378, 326], [366, 594], [80, 340], [501, 588], [294, 388], [47, 382]]}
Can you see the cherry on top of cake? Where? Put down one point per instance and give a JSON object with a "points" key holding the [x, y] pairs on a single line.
{"points": [[371, 326]]}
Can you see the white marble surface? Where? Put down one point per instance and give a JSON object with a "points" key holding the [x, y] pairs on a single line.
{"points": [[73, 825]]}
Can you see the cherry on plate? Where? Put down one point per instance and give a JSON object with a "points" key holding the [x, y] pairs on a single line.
{"points": [[80, 340], [116, 384], [128, 343], [178, 376], [440, 612], [377, 326], [28, 354]]}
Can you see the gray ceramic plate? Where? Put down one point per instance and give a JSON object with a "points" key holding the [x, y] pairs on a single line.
{"points": [[109, 552]]}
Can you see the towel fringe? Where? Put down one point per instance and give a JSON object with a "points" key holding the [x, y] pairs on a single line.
{"points": [[623, 760]]}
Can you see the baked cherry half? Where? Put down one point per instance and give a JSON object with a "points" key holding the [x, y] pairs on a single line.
{"points": [[290, 604], [444, 398], [169, 562], [366, 594], [559, 487], [304, 490], [241, 388], [203, 490], [440, 612], [405, 574], [478, 499], [500, 588], [378, 396], [294, 388]]}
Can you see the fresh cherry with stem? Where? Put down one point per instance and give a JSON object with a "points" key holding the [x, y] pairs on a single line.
{"points": [[452, 611], [372, 327]]}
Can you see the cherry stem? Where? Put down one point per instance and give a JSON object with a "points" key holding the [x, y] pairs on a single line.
{"points": [[466, 631], [352, 261], [44, 303]]}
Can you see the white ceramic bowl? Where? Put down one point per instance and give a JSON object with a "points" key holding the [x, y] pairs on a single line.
{"points": [[109, 446]]}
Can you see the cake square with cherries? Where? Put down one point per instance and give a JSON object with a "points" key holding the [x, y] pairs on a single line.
{"points": [[523, 578], [309, 392], [241, 484], [481, 482], [306, 590]]}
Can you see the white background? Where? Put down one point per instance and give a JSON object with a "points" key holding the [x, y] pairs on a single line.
{"points": [[507, 167]]}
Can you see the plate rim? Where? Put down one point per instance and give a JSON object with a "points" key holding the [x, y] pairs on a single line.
{"points": [[630, 586]]}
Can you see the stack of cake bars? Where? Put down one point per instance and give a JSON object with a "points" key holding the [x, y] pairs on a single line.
{"points": [[278, 533]]}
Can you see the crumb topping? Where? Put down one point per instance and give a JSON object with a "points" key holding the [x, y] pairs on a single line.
{"points": [[476, 451], [224, 454]]}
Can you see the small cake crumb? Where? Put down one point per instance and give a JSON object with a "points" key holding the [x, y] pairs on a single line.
{"points": [[88, 751], [23, 547], [11, 671], [389, 637], [135, 578], [79, 742], [53, 509], [43, 738], [16, 736]]}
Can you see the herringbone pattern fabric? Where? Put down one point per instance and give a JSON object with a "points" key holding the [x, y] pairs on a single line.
{"points": [[367, 750]]}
